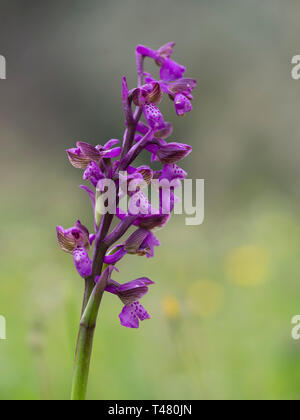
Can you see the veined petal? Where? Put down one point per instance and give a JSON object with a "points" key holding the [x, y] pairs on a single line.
{"points": [[135, 240], [67, 244], [77, 236], [183, 85], [148, 245], [152, 221], [89, 151], [131, 291], [77, 159], [146, 173], [173, 152]]}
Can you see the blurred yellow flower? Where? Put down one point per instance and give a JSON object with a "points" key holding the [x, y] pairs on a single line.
{"points": [[171, 307], [205, 297], [247, 265]]}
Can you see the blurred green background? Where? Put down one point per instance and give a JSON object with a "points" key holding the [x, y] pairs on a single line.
{"points": [[225, 291]]}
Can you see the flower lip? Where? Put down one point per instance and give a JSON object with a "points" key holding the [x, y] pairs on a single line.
{"points": [[154, 117], [132, 313], [171, 172], [82, 262], [182, 104]]}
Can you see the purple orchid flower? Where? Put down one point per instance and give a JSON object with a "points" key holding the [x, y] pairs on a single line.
{"points": [[141, 242], [84, 153], [103, 165], [169, 69], [146, 94], [97, 164], [178, 90], [130, 293], [77, 241]]}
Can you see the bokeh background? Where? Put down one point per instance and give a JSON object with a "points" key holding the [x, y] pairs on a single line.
{"points": [[225, 291]]}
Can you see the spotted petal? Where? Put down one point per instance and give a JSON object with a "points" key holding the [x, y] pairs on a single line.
{"points": [[131, 314], [82, 262]]}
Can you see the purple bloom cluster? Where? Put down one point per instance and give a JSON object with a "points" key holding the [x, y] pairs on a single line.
{"points": [[112, 161]]}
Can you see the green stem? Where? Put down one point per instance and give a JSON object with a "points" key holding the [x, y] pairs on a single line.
{"points": [[82, 362], [85, 340]]}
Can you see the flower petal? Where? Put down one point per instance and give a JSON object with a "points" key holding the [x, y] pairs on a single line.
{"points": [[154, 117], [170, 70], [173, 152], [66, 243], [111, 153], [82, 262], [114, 258], [182, 86], [89, 151], [182, 104], [171, 172], [131, 314], [77, 159], [110, 144], [135, 240], [128, 317]]}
